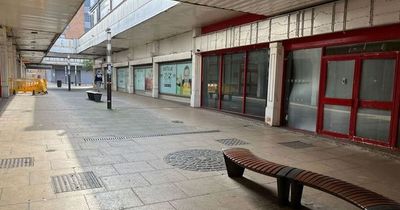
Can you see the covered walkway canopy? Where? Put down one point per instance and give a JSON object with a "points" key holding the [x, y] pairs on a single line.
{"points": [[35, 25]]}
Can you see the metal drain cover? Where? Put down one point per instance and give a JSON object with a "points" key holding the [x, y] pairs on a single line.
{"points": [[203, 160], [296, 144], [147, 136], [75, 182], [177, 121], [232, 142], [16, 162]]}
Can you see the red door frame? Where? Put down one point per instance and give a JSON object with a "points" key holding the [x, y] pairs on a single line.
{"points": [[355, 103]]}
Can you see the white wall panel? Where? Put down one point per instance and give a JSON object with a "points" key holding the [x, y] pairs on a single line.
{"points": [[336, 16], [307, 22], [212, 41], [386, 11], [245, 35], [253, 35], [323, 19], [339, 16], [279, 28], [263, 31], [360, 14], [293, 25], [221, 39]]}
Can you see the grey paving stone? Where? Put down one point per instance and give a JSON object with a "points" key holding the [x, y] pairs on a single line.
{"points": [[124, 181], [142, 156], [69, 203], [113, 200], [158, 206], [163, 176], [159, 193], [107, 159], [134, 167]]}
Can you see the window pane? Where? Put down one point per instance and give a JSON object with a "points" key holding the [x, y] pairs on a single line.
{"points": [[377, 79], [373, 124], [232, 82], [337, 118], [302, 88], [257, 80], [139, 79], [149, 79], [339, 83], [104, 8], [115, 3], [122, 76], [168, 78], [210, 78]]}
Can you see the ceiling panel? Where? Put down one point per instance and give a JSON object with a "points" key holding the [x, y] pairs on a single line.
{"points": [[260, 7], [36, 24]]}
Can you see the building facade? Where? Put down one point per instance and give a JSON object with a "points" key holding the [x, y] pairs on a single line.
{"points": [[330, 69]]}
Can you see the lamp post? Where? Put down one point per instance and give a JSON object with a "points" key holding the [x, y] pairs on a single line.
{"points": [[69, 73], [76, 72], [109, 70]]}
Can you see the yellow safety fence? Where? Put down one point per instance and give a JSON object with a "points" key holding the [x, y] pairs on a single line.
{"points": [[35, 86]]}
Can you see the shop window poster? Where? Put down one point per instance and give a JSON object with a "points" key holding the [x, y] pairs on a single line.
{"points": [[183, 79], [168, 79]]}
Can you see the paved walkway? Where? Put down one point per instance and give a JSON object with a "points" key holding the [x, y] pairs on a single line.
{"points": [[155, 154]]}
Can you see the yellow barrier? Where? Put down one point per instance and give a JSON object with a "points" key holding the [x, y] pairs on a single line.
{"points": [[29, 85]]}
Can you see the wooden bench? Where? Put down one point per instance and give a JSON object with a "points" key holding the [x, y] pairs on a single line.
{"points": [[94, 96], [238, 159]]}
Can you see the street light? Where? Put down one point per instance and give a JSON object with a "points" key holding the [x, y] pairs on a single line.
{"points": [[69, 73], [109, 70]]}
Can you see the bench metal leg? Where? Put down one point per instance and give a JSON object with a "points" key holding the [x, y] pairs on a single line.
{"points": [[233, 169], [283, 191], [295, 194]]}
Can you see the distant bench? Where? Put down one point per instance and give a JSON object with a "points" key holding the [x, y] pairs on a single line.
{"points": [[237, 159], [94, 95]]}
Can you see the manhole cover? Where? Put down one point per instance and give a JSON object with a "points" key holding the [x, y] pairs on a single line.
{"points": [[296, 144], [232, 142], [16, 162], [75, 182], [197, 160]]}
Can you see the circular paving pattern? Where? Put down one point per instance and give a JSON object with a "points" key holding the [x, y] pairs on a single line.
{"points": [[197, 160]]}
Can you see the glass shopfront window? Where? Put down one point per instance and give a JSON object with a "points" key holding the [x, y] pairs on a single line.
{"points": [[257, 82], [104, 8], [143, 79], [122, 78], [176, 78], [211, 81], [237, 80], [302, 88], [232, 82]]}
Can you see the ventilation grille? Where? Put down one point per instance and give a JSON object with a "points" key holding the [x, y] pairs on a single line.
{"points": [[232, 142], [75, 182], [146, 136], [16, 162]]}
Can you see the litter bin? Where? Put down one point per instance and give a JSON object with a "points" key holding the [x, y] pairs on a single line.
{"points": [[59, 83]]}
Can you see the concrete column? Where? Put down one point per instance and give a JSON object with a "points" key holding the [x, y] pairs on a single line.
{"points": [[274, 96], [131, 88], [195, 98], [155, 80]]}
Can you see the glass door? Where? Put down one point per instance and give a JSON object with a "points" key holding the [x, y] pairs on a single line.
{"points": [[337, 96], [356, 99]]}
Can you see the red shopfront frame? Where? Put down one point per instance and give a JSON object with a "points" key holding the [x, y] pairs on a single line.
{"points": [[220, 54], [355, 103], [382, 33]]}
